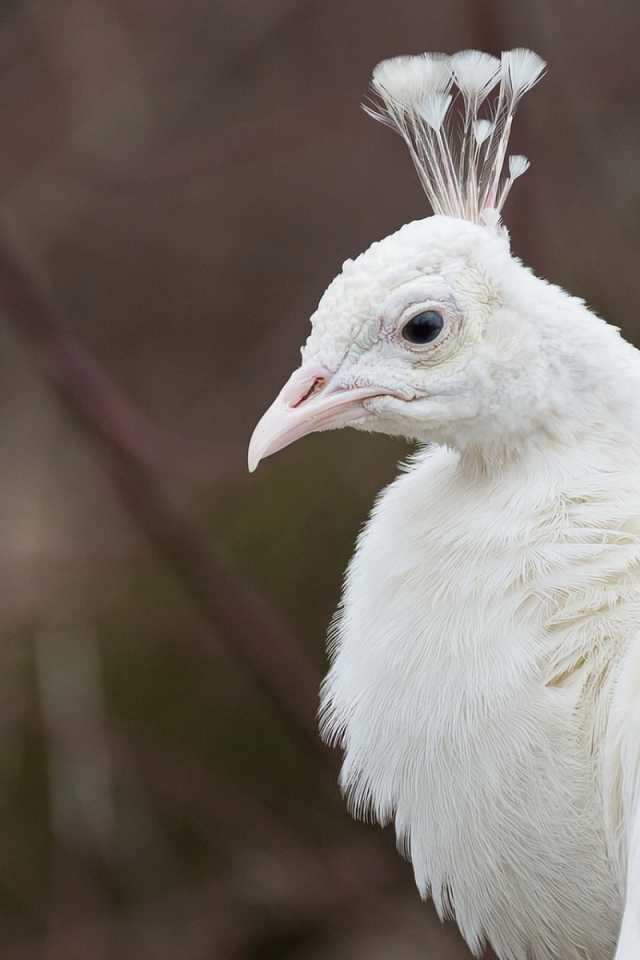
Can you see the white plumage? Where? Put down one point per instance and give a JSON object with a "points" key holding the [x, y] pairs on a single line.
{"points": [[485, 678]]}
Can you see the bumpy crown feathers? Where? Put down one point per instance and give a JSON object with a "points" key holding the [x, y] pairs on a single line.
{"points": [[458, 138]]}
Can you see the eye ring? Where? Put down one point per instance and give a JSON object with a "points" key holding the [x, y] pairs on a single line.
{"points": [[423, 328]]}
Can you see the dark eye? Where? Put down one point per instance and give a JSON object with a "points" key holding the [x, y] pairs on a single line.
{"points": [[424, 327]]}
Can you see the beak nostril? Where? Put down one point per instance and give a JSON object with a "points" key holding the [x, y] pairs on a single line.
{"points": [[308, 380], [318, 384]]}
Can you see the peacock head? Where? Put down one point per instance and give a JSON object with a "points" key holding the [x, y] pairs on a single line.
{"points": [[436, 333]]}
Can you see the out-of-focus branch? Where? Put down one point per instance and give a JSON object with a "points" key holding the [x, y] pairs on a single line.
{"points": [[229, 604], [108, 409]]}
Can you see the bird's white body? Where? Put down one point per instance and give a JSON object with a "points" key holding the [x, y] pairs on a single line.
{"points": [[485, 677], [488, 614], [479, 724]]}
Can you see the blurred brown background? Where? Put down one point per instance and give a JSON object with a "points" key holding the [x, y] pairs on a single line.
{"points": [[179, 180]]}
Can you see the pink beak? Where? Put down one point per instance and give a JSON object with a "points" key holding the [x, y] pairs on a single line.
{"points": [[309, 401]]}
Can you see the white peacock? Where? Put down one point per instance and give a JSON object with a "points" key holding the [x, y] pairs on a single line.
{"points": [[485, 678]]}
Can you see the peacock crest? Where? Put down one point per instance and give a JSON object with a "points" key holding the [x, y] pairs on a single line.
{"points": [[455, 114]]}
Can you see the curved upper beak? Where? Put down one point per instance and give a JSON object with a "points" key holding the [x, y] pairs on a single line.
{"points": [[312, 399]]}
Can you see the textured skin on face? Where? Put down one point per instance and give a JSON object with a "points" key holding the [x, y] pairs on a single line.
{"points": [[352, 302]]}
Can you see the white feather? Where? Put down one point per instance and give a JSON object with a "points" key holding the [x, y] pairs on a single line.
{"points": [[433, 109], [405, 81], [482, 129], [460, 165], [517, 165], [476, 74], [463, 676], [521, 70], [622, 796]]}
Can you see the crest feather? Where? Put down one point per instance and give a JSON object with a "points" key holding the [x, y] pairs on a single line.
{"points": [[459, 154], [476, 74], [406, 80]]}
